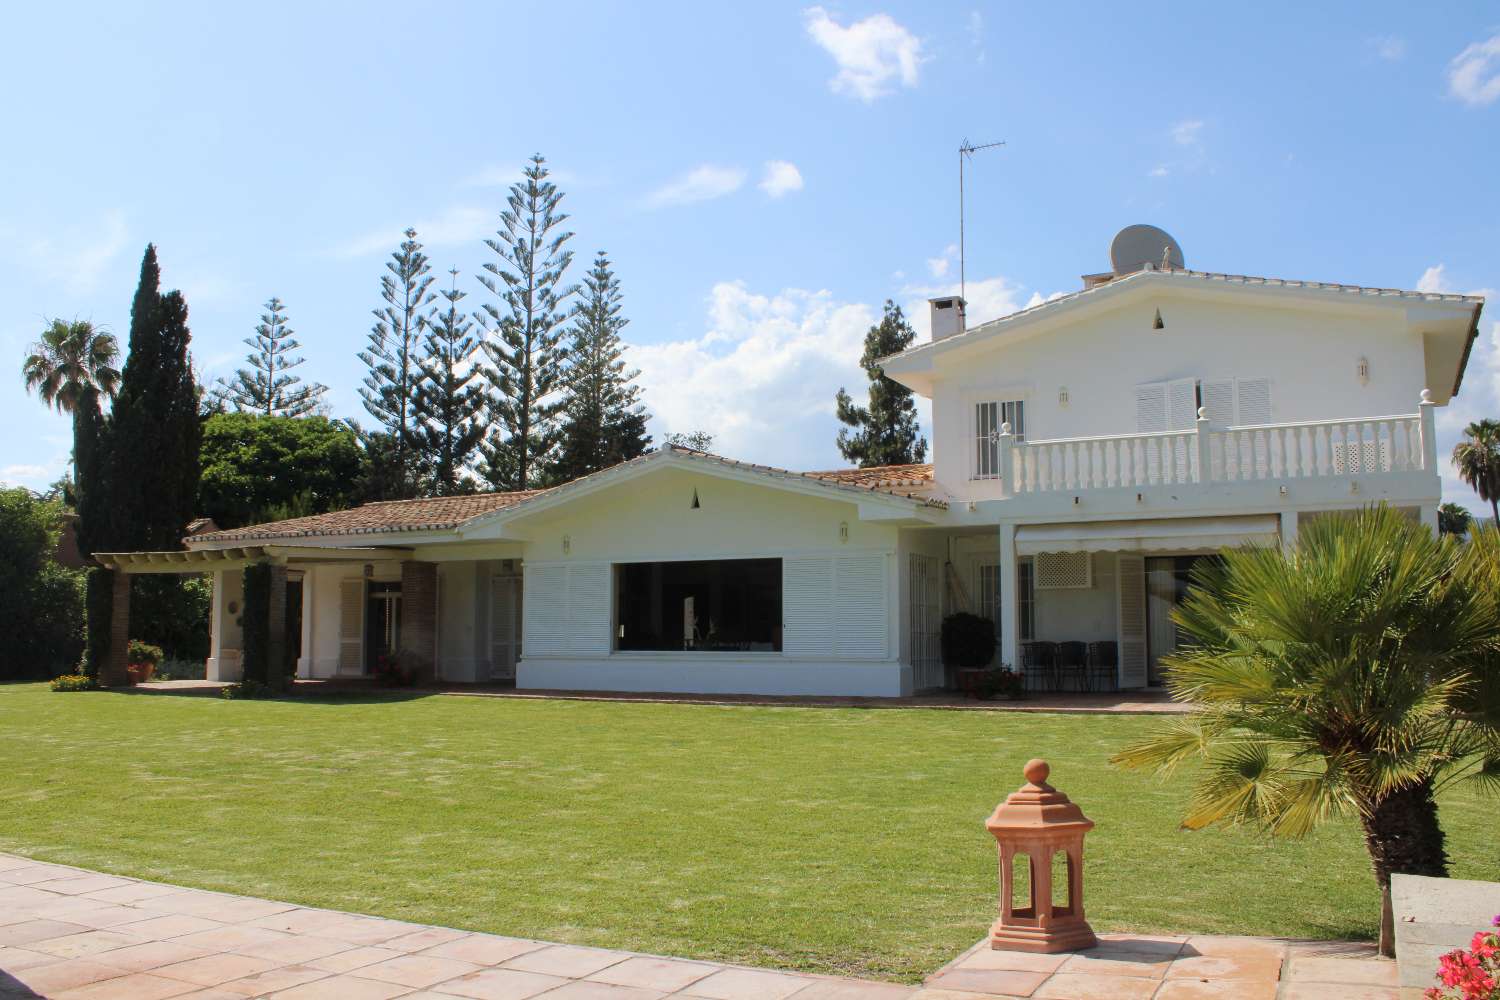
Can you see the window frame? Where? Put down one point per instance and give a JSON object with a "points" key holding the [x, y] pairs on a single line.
{"points": [[989, 415]]}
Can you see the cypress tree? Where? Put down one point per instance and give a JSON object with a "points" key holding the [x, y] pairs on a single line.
{"points": [[604, 422], [395, 341], [268, 386], [526, 321], [450, 398], [886, 431]]}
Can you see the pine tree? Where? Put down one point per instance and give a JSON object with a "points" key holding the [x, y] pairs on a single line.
{"points": [[267, 385], [450, 396], [604, 422], [395, 341], [885, 432], [526, 322], [150, 443]]}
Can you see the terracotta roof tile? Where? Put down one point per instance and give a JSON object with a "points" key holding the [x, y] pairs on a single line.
{"points": [[430, 514]]}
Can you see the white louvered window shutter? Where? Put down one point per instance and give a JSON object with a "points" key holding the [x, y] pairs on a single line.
{"points": [[545, 628], [589, 608], [1218, 400], [351, 626], [1253, 399], [505, 626], [1151, 407], [1182, 404], [862, 621], [807, 606], [1130, 581]]}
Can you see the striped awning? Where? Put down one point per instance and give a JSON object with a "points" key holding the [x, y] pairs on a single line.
{"points": [[1177, 534]]}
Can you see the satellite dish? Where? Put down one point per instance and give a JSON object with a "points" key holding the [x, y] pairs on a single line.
{"points": [[1136, 246]]}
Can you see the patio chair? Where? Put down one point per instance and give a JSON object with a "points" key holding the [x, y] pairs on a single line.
{"points": [[1104, 661], [1072, 666], [1039, 660]]}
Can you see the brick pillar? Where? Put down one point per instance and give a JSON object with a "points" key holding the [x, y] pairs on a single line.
{"points": [[113, 671], [276, 630], [419, 615]]}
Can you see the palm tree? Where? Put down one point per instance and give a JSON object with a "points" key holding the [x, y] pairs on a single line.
{"points": [[70, 360], [1477, 458], [1343, 678], [1454, 519]]}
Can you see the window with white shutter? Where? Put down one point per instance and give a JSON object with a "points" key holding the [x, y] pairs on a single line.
{"points": [[505, 626], [545, 624], [1130, 582], [351, 626], [863, 616], [807, 606], [1252, 400], [1151, 407], [1218, 400], [989, 417]]}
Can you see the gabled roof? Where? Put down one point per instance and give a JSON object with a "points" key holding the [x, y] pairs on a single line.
{"points": [[906, 482], [1205, 279]]}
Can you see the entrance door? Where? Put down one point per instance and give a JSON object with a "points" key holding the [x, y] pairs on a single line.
{"points": [[382, 623], [924, 622], [505, 627]]}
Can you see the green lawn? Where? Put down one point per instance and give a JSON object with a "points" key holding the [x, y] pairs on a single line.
{"points": [[835, 840]]}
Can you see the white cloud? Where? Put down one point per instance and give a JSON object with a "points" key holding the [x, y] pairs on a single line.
{"points": [[985, 299], [1391, 48], [1160, 170], [458, 224], [76, 257], [25, 475], [976, 35], [781, 178], [1186, 133], [702, 183], [939, 266], [1478, 398], [1474, 74], [872, 55], [762, 377]]}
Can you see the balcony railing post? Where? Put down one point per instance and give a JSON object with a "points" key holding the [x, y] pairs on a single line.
{"points": [[1427, 424], [1205, 470], [1003, 455]]}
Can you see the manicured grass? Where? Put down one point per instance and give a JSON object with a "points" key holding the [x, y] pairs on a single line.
{"points": [[837, 840]]}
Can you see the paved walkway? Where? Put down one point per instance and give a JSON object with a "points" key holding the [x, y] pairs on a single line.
{"points": [[71, 934]]}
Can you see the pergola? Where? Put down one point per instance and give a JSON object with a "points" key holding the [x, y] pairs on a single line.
{"points": [[216, 560]]}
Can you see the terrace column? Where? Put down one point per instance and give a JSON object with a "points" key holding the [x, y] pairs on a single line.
{"points": [[419, 614], [1288, 530], [113, 671], [309, 609], [276, 630], [1427, 422], [1010, 649]]}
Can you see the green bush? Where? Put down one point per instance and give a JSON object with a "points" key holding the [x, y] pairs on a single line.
{"points": [[968, 641], [999, 682], [41, 603], [143, 652], [73, 682], [247, 689], [256, 642], [99, 599], [172, 612]]}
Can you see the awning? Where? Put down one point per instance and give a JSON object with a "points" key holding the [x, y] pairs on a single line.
{"points": [[1177, 534]]}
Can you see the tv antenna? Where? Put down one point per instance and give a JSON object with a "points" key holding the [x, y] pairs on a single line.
{"points": [[965, 150]]}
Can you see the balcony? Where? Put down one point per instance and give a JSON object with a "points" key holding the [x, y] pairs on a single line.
{"points": [[1211, 454]]}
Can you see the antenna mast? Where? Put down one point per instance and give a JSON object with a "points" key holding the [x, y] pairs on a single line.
{"points": [[966, 149]]}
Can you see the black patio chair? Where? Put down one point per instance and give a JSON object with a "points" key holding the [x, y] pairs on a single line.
{"points": [[1104, 662], [1039, 660], [1072, 666]]}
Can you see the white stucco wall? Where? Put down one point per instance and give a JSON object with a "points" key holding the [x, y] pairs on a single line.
{"points": [[1309, 354]]}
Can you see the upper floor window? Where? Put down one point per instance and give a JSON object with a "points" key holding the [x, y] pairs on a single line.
{"points": [[988, 418]]}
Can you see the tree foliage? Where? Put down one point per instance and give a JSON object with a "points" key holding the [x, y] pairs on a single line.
{"points": [[395, 344], [1351, 676], [691, 440], [884, 432], [450, 396], [1453, 519], [604, 422], [256, 467], [1477, 458], [268, 385], [41, 603], [525, 328]]}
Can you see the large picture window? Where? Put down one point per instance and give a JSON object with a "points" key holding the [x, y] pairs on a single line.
{"points": [[712, 606]]}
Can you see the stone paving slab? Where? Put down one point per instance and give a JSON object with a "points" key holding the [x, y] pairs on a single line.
{"points": [[97, 937], [71, 934]]}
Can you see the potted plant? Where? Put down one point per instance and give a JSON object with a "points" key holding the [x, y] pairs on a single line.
{"points": [[968, 646], [141, 661]]}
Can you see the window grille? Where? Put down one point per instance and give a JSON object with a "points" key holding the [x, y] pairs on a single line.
{"points": [[1063, 571], [988, 419]]}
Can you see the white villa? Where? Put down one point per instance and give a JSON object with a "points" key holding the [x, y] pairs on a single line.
{"points": [[1086, 452]]}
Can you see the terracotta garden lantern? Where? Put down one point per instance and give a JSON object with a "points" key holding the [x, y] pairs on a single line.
{"points": [[1038, 827]]}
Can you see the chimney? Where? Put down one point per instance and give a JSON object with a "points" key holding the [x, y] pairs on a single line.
{"points": [[947, 316]]}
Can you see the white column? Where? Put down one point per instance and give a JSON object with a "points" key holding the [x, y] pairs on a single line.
{"points": [[1427, 422], [1429, 516], [309, 610], [1288, 530], [1010, 647], [216, 615]]}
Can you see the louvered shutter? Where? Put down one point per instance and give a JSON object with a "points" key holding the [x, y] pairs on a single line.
{"points": [[1218, 400], [807, 600], [1182, 404], [1253, 396], [589, 613], [505, 626], [1130, 581], [545, 624], [862, 621], [1151, 407], [351, 626]]}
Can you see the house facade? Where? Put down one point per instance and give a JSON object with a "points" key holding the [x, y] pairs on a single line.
{"points": [[1086, 452]]}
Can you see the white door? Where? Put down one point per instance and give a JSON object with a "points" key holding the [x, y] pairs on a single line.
{"points": [[505, 627], [1130, 581]]}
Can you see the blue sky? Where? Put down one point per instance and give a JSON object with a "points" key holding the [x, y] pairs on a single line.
{"points": [[763, 175]]}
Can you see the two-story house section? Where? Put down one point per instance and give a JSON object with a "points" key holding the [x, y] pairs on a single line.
{"points": [[1097, 444], [1087, 452]]}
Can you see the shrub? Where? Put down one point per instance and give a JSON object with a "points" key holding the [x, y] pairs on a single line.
{"points": [[247, 688], [41, 603], [1472, 974], [142, 653], [173, 669], [1001, 682], [401, 669], [73, 682], [968, 640], [256, 649]]}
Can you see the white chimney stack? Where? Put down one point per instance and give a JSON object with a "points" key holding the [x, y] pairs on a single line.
{"points": [[947, 316]]}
